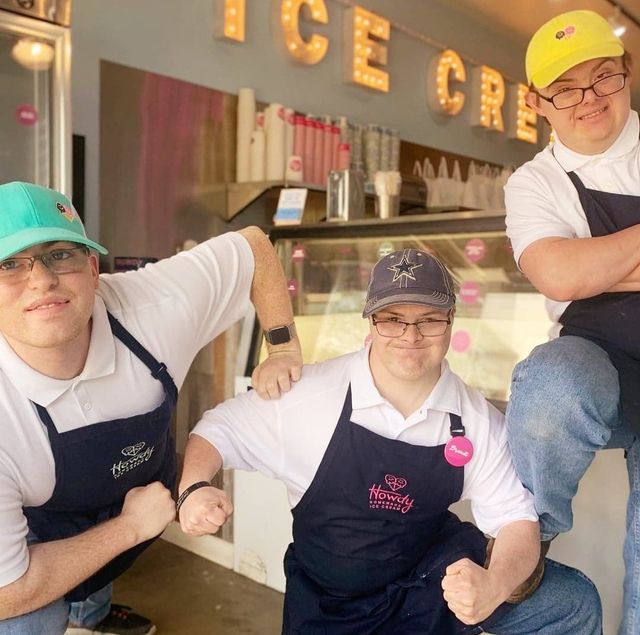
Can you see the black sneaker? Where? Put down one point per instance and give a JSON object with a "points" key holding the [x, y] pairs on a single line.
{"points": [[123, 621]]}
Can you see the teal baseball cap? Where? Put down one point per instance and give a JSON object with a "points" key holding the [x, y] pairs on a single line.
{"points": [[31, 214]]}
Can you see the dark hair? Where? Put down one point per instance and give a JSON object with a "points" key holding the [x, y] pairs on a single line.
{"points": [[627, 62]]}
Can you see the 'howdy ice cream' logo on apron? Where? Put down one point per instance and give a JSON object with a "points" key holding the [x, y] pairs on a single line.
{"points": [[137, 457], [389, 496]]}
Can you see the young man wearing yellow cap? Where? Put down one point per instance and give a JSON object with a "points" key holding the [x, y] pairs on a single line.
{"points": [[573, 217], [373, 448], [90, 368]]}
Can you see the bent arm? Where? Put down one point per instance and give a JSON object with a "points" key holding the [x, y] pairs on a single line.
{"points": [[565, 269], [206, 509], [58, 566], [514, 557], [202, 462], [474, 593], [270, 296]]}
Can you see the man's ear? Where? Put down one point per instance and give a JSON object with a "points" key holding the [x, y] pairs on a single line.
{"points": [[532, 100], [93, 263]]}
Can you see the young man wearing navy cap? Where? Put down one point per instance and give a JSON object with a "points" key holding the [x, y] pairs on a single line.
{"points": [[373, 448], [573, 217], [90, 368]]}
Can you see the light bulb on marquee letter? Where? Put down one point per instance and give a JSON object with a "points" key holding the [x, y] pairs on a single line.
{"points": [[360, 25], [523, 120], [438, 94], [306, 52], [230, 19], [488, 98]]}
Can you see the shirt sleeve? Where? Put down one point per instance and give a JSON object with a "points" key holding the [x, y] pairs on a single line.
{"points": [[496, 494], [197, 293], [178, 305], [247, 431], [532, 213], [14, 555]]}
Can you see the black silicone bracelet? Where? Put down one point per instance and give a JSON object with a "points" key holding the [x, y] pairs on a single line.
{"points": [[190, 490]]}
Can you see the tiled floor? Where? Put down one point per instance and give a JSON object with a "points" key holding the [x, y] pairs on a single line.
{"points": [[185, 594]]}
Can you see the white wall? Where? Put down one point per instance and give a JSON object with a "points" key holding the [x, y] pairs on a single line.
{"points": [[175, 38]]}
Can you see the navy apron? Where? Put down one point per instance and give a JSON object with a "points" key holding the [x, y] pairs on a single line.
{"points": [[372, 537], [96, 465], [611, 319]]}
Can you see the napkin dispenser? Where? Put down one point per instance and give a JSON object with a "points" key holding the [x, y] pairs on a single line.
{"points": [[345, 195]]}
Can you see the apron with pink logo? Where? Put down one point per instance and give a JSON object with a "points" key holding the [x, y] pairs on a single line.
{"points": [[373, 536]]}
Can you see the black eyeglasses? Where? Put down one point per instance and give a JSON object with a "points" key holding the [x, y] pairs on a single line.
{"points": [[571, 97], [427, 327], [58, 261]]}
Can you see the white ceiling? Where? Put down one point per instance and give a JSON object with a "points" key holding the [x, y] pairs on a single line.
{"points": [[523, 17]]}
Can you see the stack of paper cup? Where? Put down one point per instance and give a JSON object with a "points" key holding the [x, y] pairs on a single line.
{"points": [[309, 149], [298, 140], [293, 172], [245, 126], [274, 127], [257, 160], [289, 134]]}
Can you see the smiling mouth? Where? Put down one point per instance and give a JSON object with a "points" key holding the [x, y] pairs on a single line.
{"points": [[48, 305], [595, 113]]}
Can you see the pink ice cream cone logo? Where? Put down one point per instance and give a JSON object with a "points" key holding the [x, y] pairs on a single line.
{"points": [[395, 482]]}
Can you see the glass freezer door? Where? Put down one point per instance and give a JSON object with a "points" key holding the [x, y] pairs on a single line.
{"points": [[499, 316], [34, 104]]}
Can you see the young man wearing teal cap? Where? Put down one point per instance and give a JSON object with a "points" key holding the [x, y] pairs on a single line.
{"points": [[373, 448], [90, 367], [573, 217]]}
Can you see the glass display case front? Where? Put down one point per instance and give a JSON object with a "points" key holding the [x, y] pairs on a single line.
{"points": [[499, 316]]}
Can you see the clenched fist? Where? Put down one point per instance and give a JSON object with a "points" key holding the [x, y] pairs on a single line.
{"points": [[205, 511]]}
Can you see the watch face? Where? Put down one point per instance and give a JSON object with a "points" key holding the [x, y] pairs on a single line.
{"points": [[279, 335]]}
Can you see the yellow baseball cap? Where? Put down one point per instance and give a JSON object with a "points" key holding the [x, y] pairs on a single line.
{"points": [[567, 40]]}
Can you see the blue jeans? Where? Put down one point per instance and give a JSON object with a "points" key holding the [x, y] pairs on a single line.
{"points": [[93, 610], [564, 407], [53, 619], [566, 603]]}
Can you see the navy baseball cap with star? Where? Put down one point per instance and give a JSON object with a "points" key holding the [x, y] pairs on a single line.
{"points": [[409, 276]]}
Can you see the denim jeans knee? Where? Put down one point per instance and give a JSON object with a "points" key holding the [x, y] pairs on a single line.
{"points": [[49, 620], [563, 408]]}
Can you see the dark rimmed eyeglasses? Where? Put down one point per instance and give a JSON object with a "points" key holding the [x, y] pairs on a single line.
{"points": [[58, 261], [570, 97], [396, 328]]}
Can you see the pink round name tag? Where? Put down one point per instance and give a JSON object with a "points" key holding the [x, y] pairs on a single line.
{"points": [[458, 451]]}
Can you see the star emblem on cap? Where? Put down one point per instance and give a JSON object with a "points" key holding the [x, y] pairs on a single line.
{"points": [[404, 268]]}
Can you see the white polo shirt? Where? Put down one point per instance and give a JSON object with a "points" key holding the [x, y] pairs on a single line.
{"points": [[173, 307], [287, 438], [542, 201]]}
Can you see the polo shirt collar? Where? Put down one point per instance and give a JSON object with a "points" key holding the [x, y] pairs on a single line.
{"points": [[627, 140], [444, 397], [44, 390]]}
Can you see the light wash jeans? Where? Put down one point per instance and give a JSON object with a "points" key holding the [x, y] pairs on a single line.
{"points": [[564, 407], [566, 603], [53, 619]]}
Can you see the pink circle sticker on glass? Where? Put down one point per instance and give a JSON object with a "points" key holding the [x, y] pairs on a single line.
{"points": [[469, 292], [458, 451], [299, 253], [475, 250], [461, 341], [26, 115], [292, 285]]}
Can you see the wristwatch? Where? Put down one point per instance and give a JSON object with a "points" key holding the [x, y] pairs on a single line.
{"points": [[280, 334]]}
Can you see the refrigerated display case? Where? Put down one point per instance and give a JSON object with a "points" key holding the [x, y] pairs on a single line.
{"points": [[499, 318], [35, 112]]}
